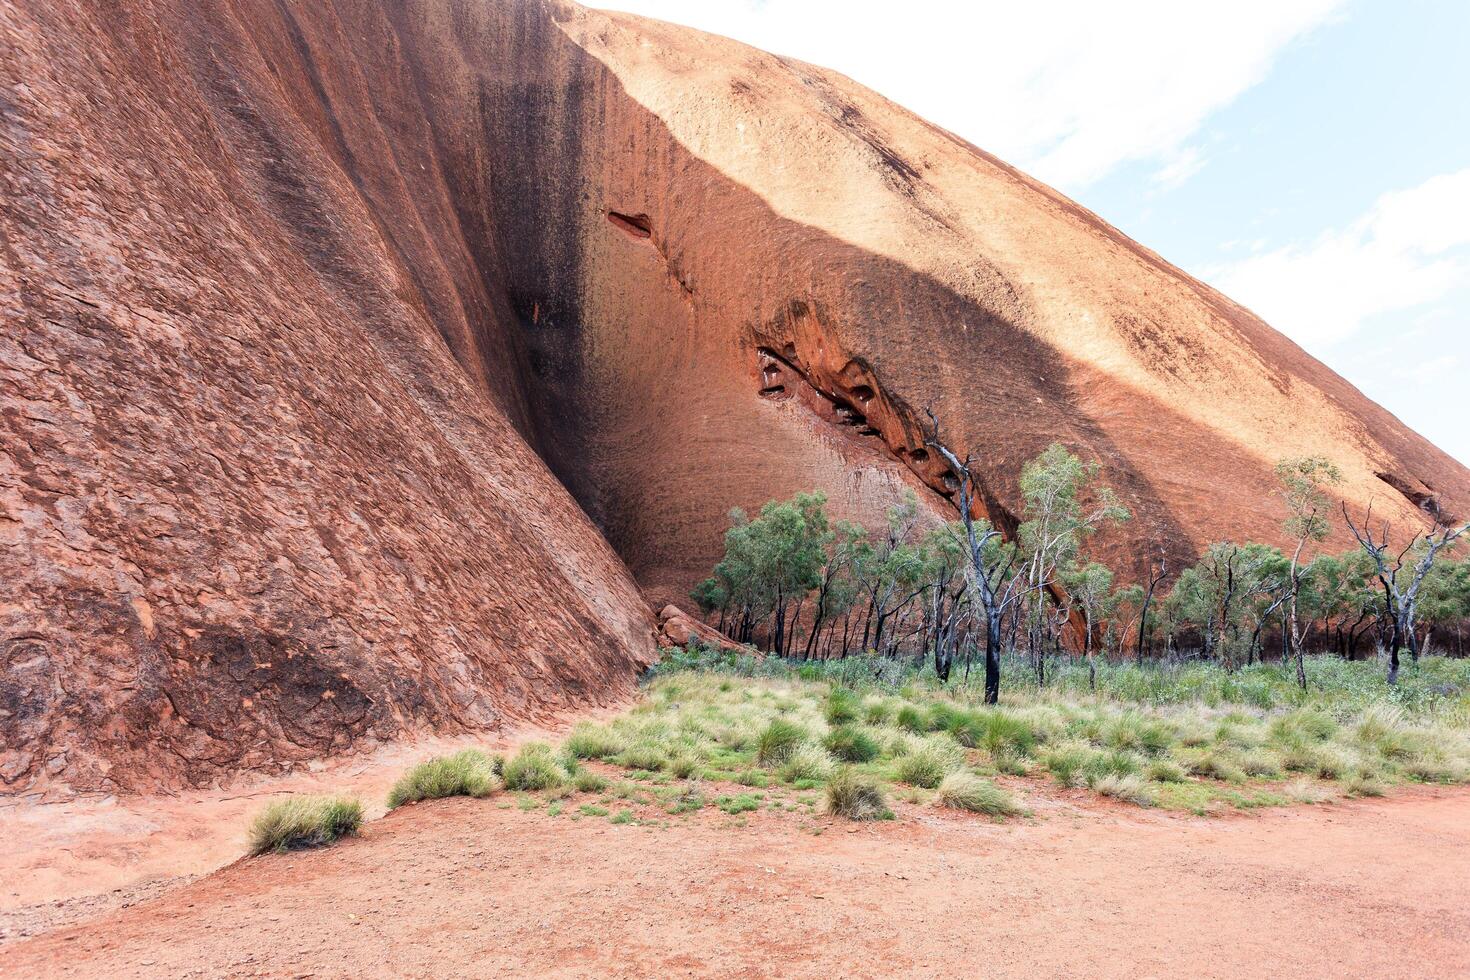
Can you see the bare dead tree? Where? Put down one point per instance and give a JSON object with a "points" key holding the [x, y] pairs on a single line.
{"points": [[1400, 599], [992, 585], [1156, 575]]}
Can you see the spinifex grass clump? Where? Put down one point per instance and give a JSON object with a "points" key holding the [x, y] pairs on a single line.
{"points": [[535, 767], [778, 742], [467, 773], [851, 743], [304, 821], [928, 764], [856, 796], [967, 791]]}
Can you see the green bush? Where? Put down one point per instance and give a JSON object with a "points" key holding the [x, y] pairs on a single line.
{"points": [[928, 764], [1128, 788], [911, 719], [588, 781], [642, 755], [807, 763], [966, 791], [851, 744], [467, 773], [842, 706], [1166, 771], [856, 797], [534, 767], [779, 740], [589, 741], [304, 821]]}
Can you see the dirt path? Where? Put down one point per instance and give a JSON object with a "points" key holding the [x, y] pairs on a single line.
{"points": [[480, 888], [71, 860]]}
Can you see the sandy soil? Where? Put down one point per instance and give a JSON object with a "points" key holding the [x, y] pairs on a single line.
{"points": [[70, 860], [481, 888]]}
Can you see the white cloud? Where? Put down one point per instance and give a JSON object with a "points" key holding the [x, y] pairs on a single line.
{"points": [[1179, 167], [1411, 248], [1067, 90]]}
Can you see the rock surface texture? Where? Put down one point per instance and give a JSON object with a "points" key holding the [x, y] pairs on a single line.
{"points": [[362, 360]]}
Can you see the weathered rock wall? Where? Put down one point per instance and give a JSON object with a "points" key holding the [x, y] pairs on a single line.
{"points": [[327, 328]]}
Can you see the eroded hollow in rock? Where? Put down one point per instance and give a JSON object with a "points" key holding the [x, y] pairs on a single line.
{"points": [[636, 225]]}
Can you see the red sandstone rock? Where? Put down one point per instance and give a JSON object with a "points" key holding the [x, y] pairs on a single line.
{"points": [[678, 629], [311, 311]]}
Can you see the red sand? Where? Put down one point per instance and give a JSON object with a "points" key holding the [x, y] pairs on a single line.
{"points": [[472, 888]]}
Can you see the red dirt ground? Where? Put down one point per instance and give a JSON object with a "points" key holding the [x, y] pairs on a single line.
{"points": [[479, 888]]}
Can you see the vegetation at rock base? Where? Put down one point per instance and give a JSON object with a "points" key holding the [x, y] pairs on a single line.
{"points": [[467, 773], [304, 821]]}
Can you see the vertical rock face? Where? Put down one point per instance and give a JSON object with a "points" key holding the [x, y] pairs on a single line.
{"points": [[327, 328], [266, 491]]}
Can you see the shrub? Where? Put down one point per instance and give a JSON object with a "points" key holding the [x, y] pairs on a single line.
{"points": [[1115, 763], [467, 773], [534, 767], [911, 719], [1066, 762], [966, 791], [946, 717], [1166, 771], [1140, 734], [304, 821], [1002, 733], [1263, 765], [1321, 760], [842, 706], [778, 742], [588, 741], [877, 711], [688, 801], [744, 803], [856, 797], [684, 765], [1129, 789], [1217, 765], [642, 755], [808, 762], [1363, 784], [928, 764], [588, 781], [851, 744]]}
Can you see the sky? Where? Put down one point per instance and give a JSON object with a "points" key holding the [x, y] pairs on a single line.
{"points": [[1311, 158]]}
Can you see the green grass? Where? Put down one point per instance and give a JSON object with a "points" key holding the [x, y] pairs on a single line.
{"points": [[534, 767], [779, 742], [851, 743], [966, 791], [1187, 737], [856, 796], [467, 773], [304, 821]]}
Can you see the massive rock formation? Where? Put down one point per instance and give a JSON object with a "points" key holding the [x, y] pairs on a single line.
{"points": [[327, 327]]}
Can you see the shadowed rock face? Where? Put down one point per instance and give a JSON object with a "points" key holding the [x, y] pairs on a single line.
{"points": [[329, 326]]}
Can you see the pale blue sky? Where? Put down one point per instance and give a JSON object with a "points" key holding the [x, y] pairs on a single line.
{"points": [[1309, 157]]}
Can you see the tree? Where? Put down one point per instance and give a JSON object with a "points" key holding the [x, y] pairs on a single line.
{"points": [[1401, 577], [891, 571], [1063, 504], [1092, 588], [1157, 573], [771, 565], [838, 588], [1303, 486], [989, 558]]}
